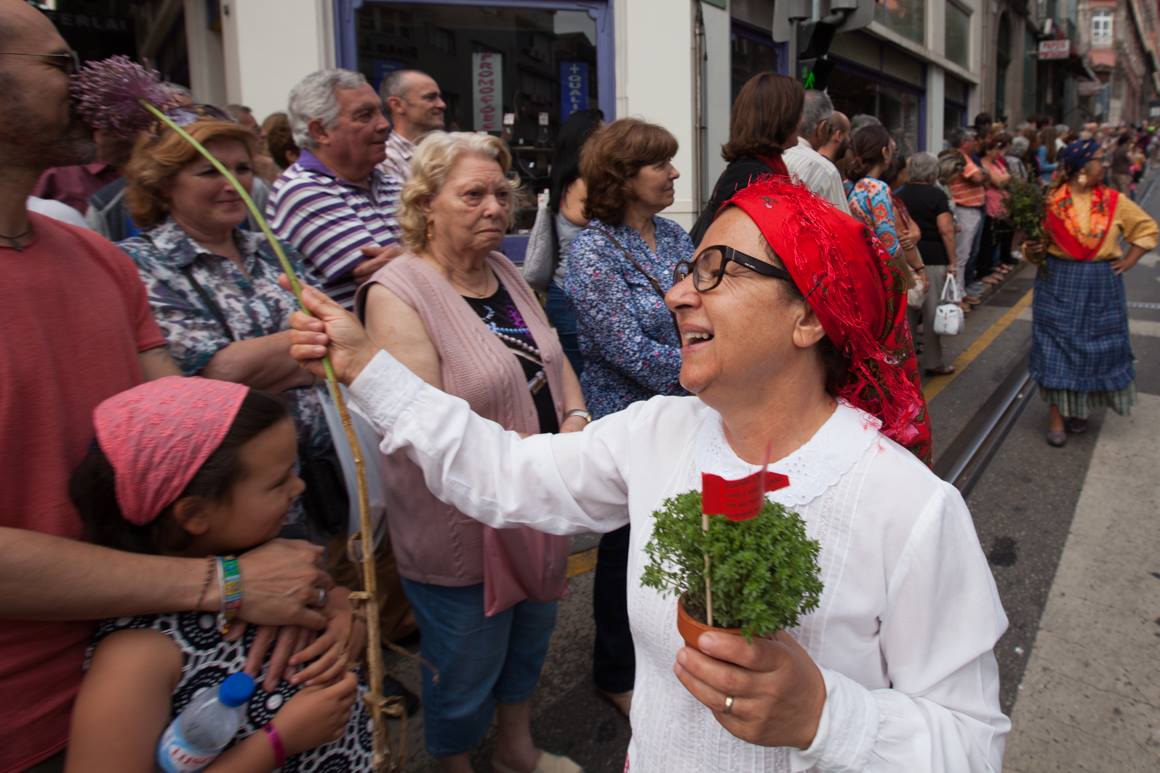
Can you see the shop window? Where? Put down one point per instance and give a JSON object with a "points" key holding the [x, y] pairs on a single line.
{"points": [[753, 52], [958, 40], [906, 17], [899, 108], [541, 65], [1102, 28], [957, 94]]}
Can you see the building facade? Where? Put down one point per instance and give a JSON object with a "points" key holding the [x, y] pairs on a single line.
{"points": [[1119, 39]]}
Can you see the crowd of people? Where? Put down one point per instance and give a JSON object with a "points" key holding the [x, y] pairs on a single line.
{"points": [[174, 508]]}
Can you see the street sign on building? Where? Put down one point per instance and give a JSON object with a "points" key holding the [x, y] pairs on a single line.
{"points": [[1054, 49]]}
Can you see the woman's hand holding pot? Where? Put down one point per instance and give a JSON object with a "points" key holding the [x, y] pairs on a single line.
{"points": [[332, 330], [772, 689]]}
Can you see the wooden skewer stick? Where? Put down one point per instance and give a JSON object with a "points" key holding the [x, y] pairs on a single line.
{"points": [[708, 582], [382, 760]]}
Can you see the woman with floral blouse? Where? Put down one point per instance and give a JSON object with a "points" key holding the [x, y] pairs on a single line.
{"points": [[619, 269], [870, 199], [213, 286]]}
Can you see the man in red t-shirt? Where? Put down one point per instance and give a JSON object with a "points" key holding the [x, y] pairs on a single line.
{"points": [[77, 329]]}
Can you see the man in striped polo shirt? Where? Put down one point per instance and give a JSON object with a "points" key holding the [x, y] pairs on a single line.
{"points": [[967, 191], [332, 204]]}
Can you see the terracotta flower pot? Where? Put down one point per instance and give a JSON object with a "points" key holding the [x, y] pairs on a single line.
{"points": [[691, 628]]}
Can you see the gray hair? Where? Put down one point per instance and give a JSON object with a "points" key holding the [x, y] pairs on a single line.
{"points": [[315, 98], [922, 168], [1019, 145], [395, 83], [817, 108], [862, 119]]}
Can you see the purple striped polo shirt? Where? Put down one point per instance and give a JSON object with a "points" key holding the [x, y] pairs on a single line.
{"points": [[329, 220]]}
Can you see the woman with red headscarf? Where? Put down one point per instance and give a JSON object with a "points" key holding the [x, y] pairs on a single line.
{"points": [[796, 348]]}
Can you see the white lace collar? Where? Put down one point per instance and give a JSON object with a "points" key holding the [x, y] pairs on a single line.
{"points": [[814, 467]]}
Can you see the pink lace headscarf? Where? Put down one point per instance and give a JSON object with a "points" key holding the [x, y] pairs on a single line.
{"points": [[158, 435]]}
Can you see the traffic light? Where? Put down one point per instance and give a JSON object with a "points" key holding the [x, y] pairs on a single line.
{"points": [[811, 60]]}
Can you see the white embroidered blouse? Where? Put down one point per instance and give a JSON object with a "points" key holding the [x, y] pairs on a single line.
{"points": [[908, 617]]}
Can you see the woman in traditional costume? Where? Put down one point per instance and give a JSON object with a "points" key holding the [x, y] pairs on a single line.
{"points": [[795, 347], [1081, 355]]}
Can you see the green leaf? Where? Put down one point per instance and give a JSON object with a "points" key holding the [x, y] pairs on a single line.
{"points": [[764, 571]]}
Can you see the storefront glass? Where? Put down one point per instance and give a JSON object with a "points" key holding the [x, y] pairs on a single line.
{"points": [[854, 91], [906, 17], [516, 72], [958, 35], [753, 52], [955, 104]]}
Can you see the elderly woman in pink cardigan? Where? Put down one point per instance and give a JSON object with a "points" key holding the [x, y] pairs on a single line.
{"points": [[460, 315]]}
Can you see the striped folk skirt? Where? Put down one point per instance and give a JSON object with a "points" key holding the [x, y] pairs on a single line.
{"points": [[1081, 355]]}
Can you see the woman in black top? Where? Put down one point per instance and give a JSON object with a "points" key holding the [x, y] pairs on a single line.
{"points": [[929, 208], [763, 122]]}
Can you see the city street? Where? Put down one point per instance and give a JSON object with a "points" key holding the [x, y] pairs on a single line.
{"points": [[1071, 537]]}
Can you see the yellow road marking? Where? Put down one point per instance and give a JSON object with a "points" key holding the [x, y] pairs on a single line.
{"points": [[582, 562], [977, 347]]}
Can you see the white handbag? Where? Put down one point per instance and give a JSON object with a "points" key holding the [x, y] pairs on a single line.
{"points": [[948, 317]]}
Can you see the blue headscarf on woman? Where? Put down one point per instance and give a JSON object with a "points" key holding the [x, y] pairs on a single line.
{"points": [[1077, 154]]}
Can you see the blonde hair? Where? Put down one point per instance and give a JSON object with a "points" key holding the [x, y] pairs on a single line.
{"points": [[434, 158], [156, 161]]}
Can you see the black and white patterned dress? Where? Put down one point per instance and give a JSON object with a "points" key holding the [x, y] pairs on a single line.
{"points": [[207, 658]]}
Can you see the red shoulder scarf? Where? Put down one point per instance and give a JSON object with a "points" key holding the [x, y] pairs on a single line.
{"points": [[1063, 224]]}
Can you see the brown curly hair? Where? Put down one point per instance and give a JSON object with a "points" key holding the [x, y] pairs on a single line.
{"points": [[157, 160], [612, 156]]}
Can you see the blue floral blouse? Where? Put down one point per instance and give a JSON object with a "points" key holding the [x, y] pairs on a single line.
{"points": [[870, 202], [235, 306], [626, 334]]}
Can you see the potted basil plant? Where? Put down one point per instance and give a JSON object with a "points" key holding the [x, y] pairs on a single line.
{"points": [[757, 575]]}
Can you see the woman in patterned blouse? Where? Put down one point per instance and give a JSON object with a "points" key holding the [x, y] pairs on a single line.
{"points": [[619, 268], [870, 201], [213, 286]]}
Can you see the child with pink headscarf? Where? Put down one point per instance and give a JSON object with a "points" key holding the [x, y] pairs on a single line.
{"points": [[202, 468]]}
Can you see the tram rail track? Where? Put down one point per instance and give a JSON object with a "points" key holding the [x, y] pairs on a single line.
{"points": [[967, 457]]}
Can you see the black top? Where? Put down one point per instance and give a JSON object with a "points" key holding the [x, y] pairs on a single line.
{"points": [[737, 176], [926, 203], [499, 313]]}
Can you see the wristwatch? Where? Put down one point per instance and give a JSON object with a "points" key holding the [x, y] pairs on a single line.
{"points": [[581, 412]]}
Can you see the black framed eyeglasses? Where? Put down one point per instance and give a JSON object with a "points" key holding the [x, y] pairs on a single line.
{"points": [[68, 62], [708, 267]]}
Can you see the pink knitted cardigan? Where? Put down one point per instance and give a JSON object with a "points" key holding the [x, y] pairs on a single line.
{"points": [[433, 542]]}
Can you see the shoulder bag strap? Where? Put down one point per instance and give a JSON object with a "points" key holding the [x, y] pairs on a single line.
{"points": [[210, 304], [652, 280]]}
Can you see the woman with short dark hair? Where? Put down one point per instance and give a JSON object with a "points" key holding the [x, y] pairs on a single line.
{"points": [[764, 122], [619, 269]]}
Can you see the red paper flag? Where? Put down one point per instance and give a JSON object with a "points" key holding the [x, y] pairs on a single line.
{"points": [[738, 500]]}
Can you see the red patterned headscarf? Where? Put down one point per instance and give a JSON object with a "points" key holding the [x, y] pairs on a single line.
{"points": [[858, 295], [157, 436]]}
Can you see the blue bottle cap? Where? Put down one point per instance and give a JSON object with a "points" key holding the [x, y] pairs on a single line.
{"points": [[236, 690]]}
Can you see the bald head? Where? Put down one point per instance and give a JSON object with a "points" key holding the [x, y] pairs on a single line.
{"points": [[37, 128], [414, 102], [836, 137]]}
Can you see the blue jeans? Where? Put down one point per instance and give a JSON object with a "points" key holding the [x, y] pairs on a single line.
{"points": [[563, 318], [480, 660]]}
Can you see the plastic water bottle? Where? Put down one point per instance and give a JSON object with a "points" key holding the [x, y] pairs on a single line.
{"points": [[199, 733]]}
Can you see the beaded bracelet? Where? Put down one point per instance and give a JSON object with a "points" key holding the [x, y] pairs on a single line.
{"points": [[276, 744], [230, 576]]}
